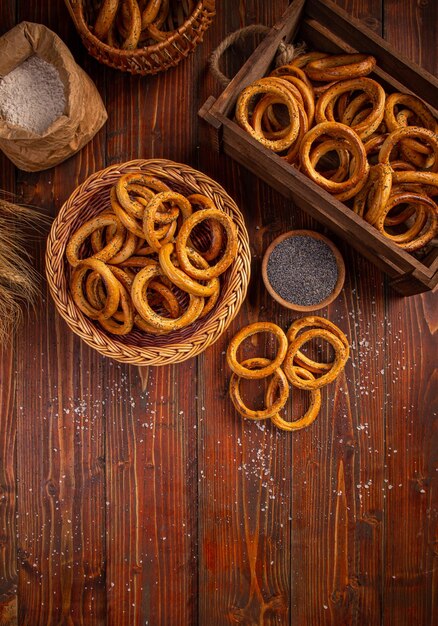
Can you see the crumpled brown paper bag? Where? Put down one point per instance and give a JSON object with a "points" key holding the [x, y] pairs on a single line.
{"points": [[84, 113]]}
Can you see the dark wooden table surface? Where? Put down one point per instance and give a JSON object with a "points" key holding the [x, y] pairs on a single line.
{"points": [[137, 497]]}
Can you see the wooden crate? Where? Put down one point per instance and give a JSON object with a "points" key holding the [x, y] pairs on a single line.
{"points": [[324, 26]]}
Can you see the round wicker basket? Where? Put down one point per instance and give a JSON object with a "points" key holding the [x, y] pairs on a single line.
{"points": [[151, 59], [140, 348]]}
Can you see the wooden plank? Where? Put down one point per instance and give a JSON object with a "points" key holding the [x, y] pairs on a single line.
{"points": [[8, 556], [244, 468], [151, 482], [60, 441], [411, 564], [8, 425], [337, 529]]}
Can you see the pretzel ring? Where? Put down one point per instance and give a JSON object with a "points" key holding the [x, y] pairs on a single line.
{"points": [[264, 115], [211, 301], [147, 328], [414, 105], [403, 132], [271, 409], [340, 66], [84, 231], [314, 321], [179, 278], [136, 183], [230, 251], [94, 288], [127, 250], [416, 178], [341, 357], [139, 298], [421, 217], [137, 261], [215, 228], [303, 59], [415, 154], [248, 331], [352, 143], [111, 283], [95, 291], [111, 325], [129, 222], [358, 106], [283, 96], [376, 95], [375, 193], [304, 88], [169, 299], [324, 148], [373, 144], [292, 70], [134, 30], [105, 18], [409, 241], [311, 413], [263, 112], [400, 216], [294, 150], [97, 237], [151, 211], [150, 13], [164, 215]]}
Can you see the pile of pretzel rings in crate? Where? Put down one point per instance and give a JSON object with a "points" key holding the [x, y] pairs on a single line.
{"points": [[376, 151]]}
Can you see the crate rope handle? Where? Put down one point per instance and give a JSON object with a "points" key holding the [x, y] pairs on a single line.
{"points": [[286, 51]]}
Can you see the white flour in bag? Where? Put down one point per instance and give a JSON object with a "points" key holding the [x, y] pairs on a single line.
{"points": [[32, 95]]}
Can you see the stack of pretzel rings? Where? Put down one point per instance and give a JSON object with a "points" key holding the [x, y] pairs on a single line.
{"points": [[143, 254], [290, 365], [378, 151], [131, 24]]}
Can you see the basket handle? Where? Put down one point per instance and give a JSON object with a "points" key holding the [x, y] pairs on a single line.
{"points": [[74, 8], [286, 51]]}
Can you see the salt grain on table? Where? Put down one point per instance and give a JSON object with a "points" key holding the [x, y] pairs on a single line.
{"points": [[302, 270], [32, 95]]}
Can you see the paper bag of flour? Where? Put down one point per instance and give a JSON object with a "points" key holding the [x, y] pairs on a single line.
{"points": [[83, 113]]}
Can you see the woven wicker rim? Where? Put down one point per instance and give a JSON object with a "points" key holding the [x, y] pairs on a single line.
{"points": [[147, 49], [140, 348], [188, 32]]}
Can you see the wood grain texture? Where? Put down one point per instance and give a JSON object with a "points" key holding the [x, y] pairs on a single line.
{"points": [[8, 426], [151, 423], [134, 497], [60, 431], [410, 466]]}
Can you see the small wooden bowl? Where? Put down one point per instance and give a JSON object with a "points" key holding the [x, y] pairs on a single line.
{"points": [[339, 262]]}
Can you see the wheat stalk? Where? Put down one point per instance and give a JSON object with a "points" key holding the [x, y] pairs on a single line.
{"points": [[19, 281]]}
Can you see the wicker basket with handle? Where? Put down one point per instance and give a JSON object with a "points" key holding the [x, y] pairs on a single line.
{"points": [[150, 59], [140, 348]]}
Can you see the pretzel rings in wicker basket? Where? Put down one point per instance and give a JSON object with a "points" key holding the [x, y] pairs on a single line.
{"points": [[141, 37], [124, 281], [289, 365], [326, 116]]}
